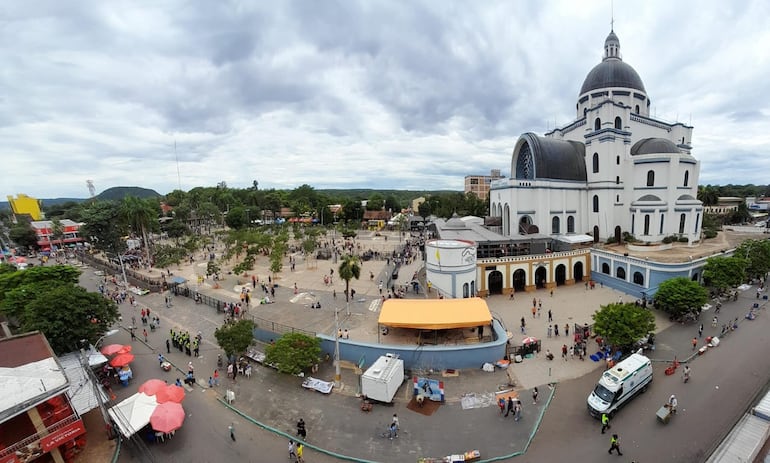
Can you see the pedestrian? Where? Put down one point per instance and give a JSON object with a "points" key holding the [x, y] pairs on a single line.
{"points": [[550, 328], [550, 316], [292, 452], [216, 377], [534, 311], [556, 330], [168, 346], [301, 430], [539, 308], [501, 404], [551, 292], [133, 320], [160, 359], [564, 352], [190, 367], [231, 428], [614, 444], [700, 331], [510, 406], [395, 425], [523, 326], [133, 335], [534, 395], [566, 329], [517, 411], [605, 422], [694, 343], [144, 332], [300, 453]]}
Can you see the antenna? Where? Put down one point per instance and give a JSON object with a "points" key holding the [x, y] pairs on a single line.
{"points": [[178, 176], [612, 15], [91, 188]]}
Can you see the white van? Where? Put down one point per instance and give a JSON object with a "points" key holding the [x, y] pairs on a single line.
{"points": [[620, 384]]}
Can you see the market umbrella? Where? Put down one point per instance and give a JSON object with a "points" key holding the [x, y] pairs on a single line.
{"points": [[121, 360], [167, 417], [528, 340], [126, 349], [170, 393], [152, 386], [112, 349]]}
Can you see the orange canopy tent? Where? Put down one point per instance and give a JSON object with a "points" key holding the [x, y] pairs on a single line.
{"points": [[435, 314]]}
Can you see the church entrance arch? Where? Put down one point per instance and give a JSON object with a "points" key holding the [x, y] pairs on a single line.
{"points": [[519, 280], [596, 233], [561, 274], [495, 282], [638, 278], [617, 234], [541, 277], [577, 271]]}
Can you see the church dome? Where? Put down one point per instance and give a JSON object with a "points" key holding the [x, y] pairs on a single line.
{"points": [[654, 146], [537, 157], [612, 71]]}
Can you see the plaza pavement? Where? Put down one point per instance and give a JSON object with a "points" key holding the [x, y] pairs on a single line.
{"points": [[335, 422]]}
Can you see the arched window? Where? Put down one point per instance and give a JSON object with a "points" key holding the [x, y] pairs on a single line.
{"points": [[596, 163], [646, 224], [570, 224], [682, 220], [661, 223], [617, 160], [697, 220], [596, 203], [606, 268], [597, 124], [617, 180], [636, 109], [555, 226], [465, 290], [617, 198], [633, 223], [620, 273], [650, 178], [585, 111], [618, 123], [686, 177], [638, 278]]}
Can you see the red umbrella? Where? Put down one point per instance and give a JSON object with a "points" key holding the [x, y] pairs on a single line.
{"points": [[112, 349], [528, 340], [152, 386], [124, 350], [167, 417], [122, 360], [170, 393]]}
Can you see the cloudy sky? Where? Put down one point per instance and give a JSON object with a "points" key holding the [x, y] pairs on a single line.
{"points": [[353, 94]]}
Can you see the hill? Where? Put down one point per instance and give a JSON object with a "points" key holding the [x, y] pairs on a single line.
{"points": [[120, 192]]}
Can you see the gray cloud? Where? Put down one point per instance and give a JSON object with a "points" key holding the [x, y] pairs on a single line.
{"points": [[352, 93]]}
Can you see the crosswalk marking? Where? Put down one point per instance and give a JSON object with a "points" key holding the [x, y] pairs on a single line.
{"points": [[375, 305]]}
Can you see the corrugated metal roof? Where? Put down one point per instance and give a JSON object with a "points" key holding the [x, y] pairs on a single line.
{"points": [[81, 391]]}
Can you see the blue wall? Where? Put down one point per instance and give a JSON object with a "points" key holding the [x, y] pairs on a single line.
{"points": [[420, 357]]}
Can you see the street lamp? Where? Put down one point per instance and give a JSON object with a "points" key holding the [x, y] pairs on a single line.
{"points": [[86, 364]]}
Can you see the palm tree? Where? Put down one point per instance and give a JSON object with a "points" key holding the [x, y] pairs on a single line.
{"points": [[350, 268], [139, 215]]}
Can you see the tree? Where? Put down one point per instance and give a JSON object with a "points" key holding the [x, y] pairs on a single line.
{"points": [[234, 338], [212, 268], [680, 296], [140, 216], [236, 217], [293, 352], [23, 235], [176, 229], [375, 203], [165, 255], [57, 233], [621, 325], [29, 296], [757, 255], [103, 226], [723, 272], [424, 210], [350, 268]]}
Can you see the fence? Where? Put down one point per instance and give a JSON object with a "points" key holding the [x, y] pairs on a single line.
{"points": [[134, 278]]}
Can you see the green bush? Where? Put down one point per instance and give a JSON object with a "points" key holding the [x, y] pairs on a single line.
{"points": [[709, 233], [667, 240], [684, 239]]}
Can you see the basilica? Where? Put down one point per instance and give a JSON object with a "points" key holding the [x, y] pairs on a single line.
{"points": [[613, 171]]}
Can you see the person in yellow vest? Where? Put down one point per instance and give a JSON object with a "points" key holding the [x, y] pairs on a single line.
{"points": [[614, 444], [300, 453], [605, 422]]}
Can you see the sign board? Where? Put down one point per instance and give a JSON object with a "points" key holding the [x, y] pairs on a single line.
{"points": [[60, 436]]}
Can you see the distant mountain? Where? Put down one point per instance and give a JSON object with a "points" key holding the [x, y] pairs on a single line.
{"points": [[47, 202], [120, 192]]}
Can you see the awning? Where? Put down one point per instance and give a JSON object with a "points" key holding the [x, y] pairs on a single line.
{"points": [[574, 239], [435, 314], [134, 413], [178, 280]]}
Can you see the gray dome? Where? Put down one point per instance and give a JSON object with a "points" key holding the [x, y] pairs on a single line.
{"points": [[612, 73], [547, 158], [455, 222], [654, 146]]}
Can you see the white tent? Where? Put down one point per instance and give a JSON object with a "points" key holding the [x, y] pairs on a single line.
{"points": [[134, 413]]}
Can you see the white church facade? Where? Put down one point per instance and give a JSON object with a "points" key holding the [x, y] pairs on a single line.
{"points": [[613, 170]]}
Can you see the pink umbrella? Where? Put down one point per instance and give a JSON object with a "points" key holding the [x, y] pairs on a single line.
{"points": [[528, 340], [112, 349], [152, 386], [167, 417], [170, 393], [122, 360]]}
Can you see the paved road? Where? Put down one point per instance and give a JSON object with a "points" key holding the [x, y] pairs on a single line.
{"points": [[706, 413]]}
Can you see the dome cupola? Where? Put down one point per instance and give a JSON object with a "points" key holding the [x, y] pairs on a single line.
{"points": [[612, 71]]}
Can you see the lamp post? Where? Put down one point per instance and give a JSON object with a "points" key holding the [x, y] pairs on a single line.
{"points": [[90, 374], [337, 372]]}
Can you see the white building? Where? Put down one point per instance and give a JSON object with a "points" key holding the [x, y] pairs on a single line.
{"points": [[614, 169]]}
